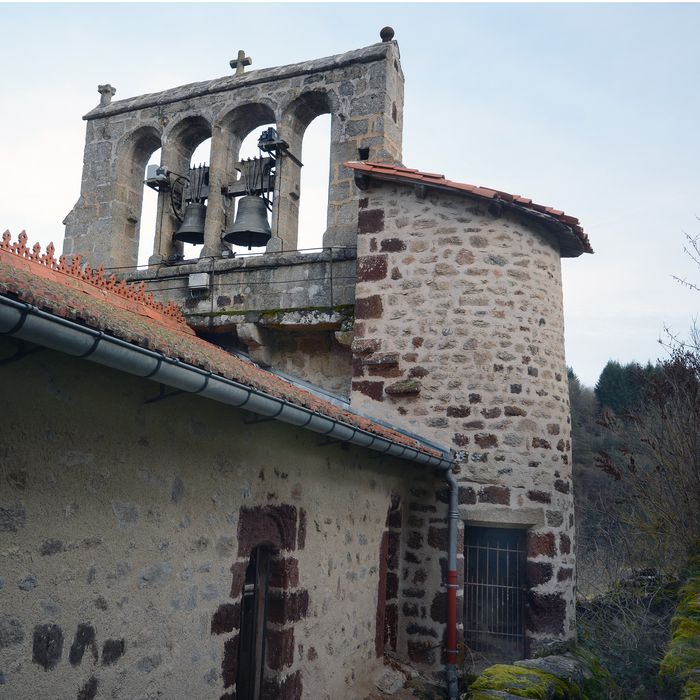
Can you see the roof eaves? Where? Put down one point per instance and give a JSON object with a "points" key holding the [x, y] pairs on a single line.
{"points": [[574, 241]]}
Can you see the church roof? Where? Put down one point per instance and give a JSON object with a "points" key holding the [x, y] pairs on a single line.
{"points": [[78, 294], [572, 237]]}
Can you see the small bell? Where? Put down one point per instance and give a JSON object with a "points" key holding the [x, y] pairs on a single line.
{"points": [[192, 227], [251, 227]]}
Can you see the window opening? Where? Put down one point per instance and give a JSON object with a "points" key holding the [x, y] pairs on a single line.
{"points": [[149, 215], [494, 592], [253, 619], [313, 203]]}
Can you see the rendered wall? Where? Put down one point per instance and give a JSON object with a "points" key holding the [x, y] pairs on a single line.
{"points": [[459, 338], [124, 527]]}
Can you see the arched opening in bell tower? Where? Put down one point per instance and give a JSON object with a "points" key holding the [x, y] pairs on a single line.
{"points": [[313, 205], [249, 151], [149, 209], [306, 126], [134, 152], [198, 185]]}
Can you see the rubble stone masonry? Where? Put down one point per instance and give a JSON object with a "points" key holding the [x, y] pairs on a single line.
{"points": [[459, 337]]}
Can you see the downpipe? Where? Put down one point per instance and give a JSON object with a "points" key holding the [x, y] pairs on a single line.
{"points": [[453, 524]]}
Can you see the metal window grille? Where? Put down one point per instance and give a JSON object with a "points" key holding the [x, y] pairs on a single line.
{"points": [[494, 592]]}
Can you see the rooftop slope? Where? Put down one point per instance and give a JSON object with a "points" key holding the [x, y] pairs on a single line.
{"points": [[84, 296]]}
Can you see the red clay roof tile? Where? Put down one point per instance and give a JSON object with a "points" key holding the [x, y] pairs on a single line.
{"points": [[398, 173], [27, 278]]}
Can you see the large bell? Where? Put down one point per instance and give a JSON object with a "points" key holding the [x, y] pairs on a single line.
{"points": [[251, 227], [192, 227]]}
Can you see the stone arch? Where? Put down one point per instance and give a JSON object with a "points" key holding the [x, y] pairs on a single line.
{"points": [[241, 119], [302, 110], [188, 132], [180, 139], [133, 152], [272, 526], [230, 127]]}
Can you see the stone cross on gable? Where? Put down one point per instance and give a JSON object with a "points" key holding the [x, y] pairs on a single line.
{"points": [[240, 62], [107, 92]]}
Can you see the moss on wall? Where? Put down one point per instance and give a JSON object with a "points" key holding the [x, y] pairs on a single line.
{"points": [[576, 675], [523, 682], [682, 659]]}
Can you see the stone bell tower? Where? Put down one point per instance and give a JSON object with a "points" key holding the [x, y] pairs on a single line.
{"points": [[362, 90]]}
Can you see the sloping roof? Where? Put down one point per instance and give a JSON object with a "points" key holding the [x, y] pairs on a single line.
{"points": [[572, 246], [38, 280]]}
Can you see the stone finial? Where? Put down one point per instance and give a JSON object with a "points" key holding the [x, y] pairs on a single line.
{"points": [[386, 34], [240, 62], [107, 92]]}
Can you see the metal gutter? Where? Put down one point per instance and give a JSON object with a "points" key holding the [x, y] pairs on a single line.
{"points": [[31, 324]]}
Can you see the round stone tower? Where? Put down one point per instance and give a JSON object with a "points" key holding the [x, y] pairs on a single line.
{"points": [[459, 337]]}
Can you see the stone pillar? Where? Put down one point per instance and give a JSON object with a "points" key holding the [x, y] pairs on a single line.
{"points": [[176, 160], [224, 151], [285, 210], [365, 126]]}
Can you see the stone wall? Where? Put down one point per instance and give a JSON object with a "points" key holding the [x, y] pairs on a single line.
{"points": [[459, 338], [288, 311], [124, 527], [362, 90]]}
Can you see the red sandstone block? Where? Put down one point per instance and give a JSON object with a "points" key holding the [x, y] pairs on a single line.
{"points": [[539, 496], [285, 607], [438, 608], [226, 618], [546, 612], [538, 572], [541, 544], [564, 574], [279, 648], [369, 307], [276, 525], [372, 268], [495, 494], [370, 221], [375, 390], [284, 573], [564, 544]]}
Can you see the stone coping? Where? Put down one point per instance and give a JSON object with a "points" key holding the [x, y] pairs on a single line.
{"points": [[368, 54], [252, 262]]}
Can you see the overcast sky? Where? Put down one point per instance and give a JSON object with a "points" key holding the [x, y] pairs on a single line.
{"points": [[592, 109]]}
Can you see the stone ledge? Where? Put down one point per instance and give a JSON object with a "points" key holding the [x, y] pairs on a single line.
{"points": [[252, 262]]}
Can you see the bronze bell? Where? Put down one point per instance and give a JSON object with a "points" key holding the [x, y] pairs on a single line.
{"points": [[251, 227], [192, 227]]}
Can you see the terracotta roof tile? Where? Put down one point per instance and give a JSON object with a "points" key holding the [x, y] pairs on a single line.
{"points": [[69, 296], [398, 173]]}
